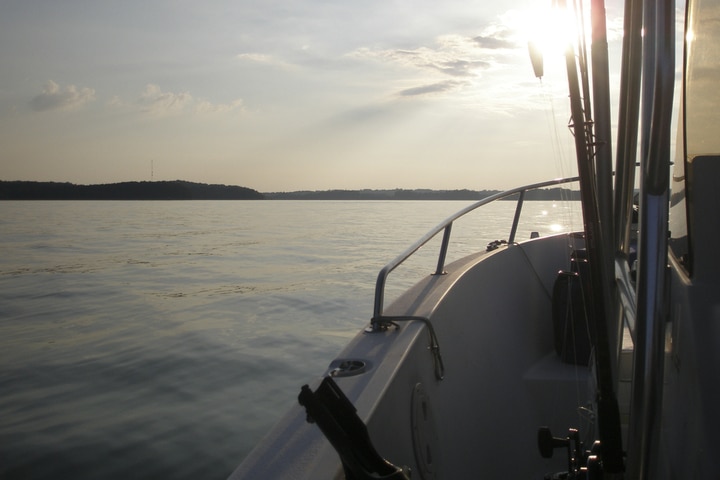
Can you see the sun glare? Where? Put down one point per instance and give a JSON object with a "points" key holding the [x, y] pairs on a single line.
{"points": [[549, 29]]}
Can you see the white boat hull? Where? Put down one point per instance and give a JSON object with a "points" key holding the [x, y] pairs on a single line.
{"points": [[492, 316]]}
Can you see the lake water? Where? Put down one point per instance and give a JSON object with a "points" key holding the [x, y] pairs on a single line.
{"points": [[163, 339]]}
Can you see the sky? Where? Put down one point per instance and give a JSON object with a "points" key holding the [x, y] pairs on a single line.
{"points": [[284, 95]]}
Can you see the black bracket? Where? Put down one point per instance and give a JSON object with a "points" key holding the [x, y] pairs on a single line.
{"points": [[330, 409]]}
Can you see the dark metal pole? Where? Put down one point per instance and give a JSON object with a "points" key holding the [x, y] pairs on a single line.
{"points": [[652, 283], [628, 123], [516, 219], [608, 411], [603, 162]]}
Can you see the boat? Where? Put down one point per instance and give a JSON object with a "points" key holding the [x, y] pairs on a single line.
{"points": [[588, 354]]}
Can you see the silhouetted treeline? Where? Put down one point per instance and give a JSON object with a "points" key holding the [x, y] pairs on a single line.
{"points": [[182, 190], [396, 194], [173, 190], [420, 194]]}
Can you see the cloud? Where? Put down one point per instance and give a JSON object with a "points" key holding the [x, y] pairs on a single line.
{"points": [[263, 59], [431, 88], [55, 98], [115, 102], [255, 57], [496, 41], [452, 55], [204, 106], [459, 67], [154, 100]]}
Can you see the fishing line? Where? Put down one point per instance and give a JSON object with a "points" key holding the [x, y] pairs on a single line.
{"points": [[560, 155]]}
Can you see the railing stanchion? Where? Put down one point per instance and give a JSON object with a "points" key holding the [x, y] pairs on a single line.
{"points": [[516, 220], [443, 250]]}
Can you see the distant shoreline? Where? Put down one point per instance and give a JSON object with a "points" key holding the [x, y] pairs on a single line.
{"points": [[172, 190], [419, 194], [183, 190]]}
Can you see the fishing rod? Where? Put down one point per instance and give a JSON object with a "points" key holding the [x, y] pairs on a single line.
{"points": [[608, 412]]}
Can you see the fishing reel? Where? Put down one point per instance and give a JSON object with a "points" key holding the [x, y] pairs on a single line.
{"points": [[582, 464]]}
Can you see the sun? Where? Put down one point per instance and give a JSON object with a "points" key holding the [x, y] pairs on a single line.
{"points": [[549, 29]]}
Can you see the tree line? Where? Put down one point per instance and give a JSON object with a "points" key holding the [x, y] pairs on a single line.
{"points": [[162, 190]]}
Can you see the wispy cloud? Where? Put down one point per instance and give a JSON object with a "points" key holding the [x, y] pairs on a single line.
{"points": [[263, 59], [452, 55], [154, 100], [204, 106], [459, 57], [255, 57], [431, 88], [460, 67], [115, 102], [496, 41], [53, 97]]}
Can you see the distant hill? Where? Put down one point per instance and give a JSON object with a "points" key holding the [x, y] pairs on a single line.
{"points": [[172, 190], [420, 194]]}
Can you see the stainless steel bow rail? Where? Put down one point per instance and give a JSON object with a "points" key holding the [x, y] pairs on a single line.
{"points": [[380, 322]]}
